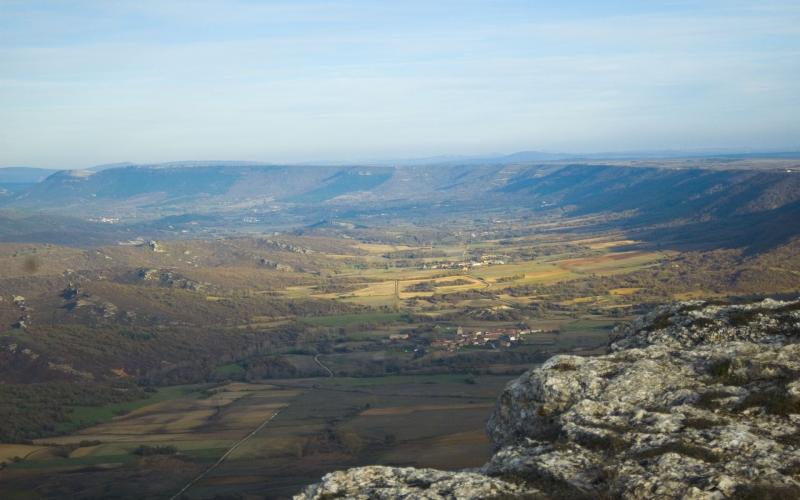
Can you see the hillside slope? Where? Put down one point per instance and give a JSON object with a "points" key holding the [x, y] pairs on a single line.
{"points": [[690, 206], [588, 187]]}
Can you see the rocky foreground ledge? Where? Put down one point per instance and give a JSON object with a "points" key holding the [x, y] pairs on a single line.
{"points": [[694, 400]]}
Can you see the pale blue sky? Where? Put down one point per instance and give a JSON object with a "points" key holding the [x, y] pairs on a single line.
{"points": [[89, 82]]}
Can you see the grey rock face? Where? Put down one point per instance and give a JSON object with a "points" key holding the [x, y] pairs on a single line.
{"points": [[695, 400], [377, 482], [687, 324]]}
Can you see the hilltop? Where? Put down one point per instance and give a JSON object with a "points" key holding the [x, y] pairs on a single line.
{"points": [[720, 185], [698, 203]]}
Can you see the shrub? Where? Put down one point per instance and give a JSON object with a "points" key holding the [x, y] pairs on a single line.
{"points": [[723, 371], [708, 400], [775, 401], [700, 423], [62, 451], [681, 448], [609, 443], [771, 491], [146, 451], [660, 322]]}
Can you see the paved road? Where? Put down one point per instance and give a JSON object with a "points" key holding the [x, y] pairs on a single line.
{"points": [[225, 456], [487, 285]]}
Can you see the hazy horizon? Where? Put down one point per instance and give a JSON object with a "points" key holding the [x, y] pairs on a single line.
{"points": [[423, 160], [91, 83]]}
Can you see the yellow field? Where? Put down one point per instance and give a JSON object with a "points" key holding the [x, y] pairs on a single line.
{"points": [[9, 451], [547, 275], [695, 294], [579, 300], [407, 410], [378, 287], [185, 422], [376, 248], [610, 263], [603, 243]]}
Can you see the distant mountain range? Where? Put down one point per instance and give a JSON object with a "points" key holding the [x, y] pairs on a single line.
{"points": [[18, 178], [727, 190], [498, 158], [727, 185]]}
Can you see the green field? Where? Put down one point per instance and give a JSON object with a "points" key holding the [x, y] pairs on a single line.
{"points": [[321, 425], [354, 319], [85, 416]]}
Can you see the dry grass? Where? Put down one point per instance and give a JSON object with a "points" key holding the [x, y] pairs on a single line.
{"points": [[602, 245], [407, 410], [9, 451], [610, 263], [379, 249]]}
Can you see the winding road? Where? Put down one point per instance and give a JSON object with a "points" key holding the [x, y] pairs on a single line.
{"points": [[487, 285], [322, 365]]}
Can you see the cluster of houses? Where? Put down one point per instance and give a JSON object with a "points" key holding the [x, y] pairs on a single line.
{"points": [[493, 339], [106, 220], [485, 260]]}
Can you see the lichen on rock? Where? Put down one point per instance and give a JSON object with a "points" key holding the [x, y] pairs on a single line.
{"points": [[378, 482]]}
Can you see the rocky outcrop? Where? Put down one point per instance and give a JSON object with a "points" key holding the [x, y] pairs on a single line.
{"points": [[283, 246], [377, 482], [155, 246], [169, 279], [695, 400], [275, 265], [689, 324]]}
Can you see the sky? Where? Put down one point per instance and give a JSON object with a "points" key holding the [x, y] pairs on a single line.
{"points": [[91, 82]]}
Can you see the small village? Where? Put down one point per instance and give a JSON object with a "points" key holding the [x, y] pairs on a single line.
{"points": [[497, 338], [485, 260]]}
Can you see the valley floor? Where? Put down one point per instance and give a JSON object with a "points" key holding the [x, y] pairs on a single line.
{"points": [[128, 371], [319, 425]]}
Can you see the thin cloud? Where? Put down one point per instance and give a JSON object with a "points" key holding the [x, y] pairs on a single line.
{"points": [[96, 82]]}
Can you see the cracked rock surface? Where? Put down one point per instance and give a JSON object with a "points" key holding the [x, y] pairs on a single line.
{"points": [[378, 482]]}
